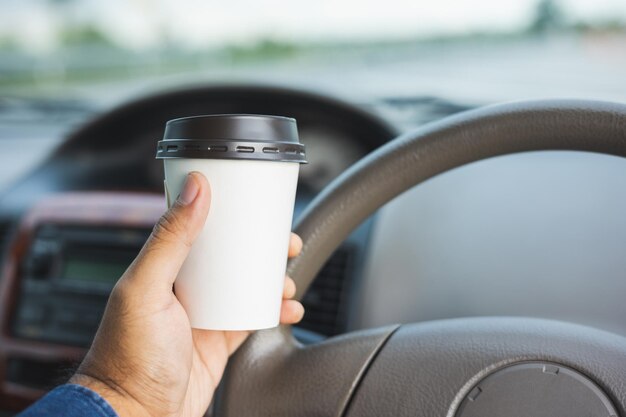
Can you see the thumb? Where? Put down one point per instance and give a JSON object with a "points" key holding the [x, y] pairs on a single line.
{"points": [[167, 247]]}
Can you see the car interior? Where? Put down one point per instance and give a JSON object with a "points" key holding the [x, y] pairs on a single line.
{"points": [[464, 250]]}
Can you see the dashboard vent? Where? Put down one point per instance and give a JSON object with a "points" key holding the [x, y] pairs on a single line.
{"points": [[324, 301]]}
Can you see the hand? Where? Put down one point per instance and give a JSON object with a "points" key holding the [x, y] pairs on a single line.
{"points": [[145, 358]]}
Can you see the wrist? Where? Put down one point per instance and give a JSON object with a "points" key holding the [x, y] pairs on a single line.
{"points": [[123, 403]]}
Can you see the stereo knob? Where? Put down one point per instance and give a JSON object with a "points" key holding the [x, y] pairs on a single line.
{"points": [[39, 263], [39, 266]]}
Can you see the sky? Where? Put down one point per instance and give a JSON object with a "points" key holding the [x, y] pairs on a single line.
{"points": [[139, 24]]}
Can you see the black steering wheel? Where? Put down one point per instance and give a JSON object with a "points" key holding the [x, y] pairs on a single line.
{"points": [[462, 367]]}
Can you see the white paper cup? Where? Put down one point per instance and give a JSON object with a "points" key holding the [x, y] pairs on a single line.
{"points": [[233, 277]]}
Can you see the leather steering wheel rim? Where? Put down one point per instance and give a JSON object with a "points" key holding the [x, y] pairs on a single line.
{"points": [[269, 358]]}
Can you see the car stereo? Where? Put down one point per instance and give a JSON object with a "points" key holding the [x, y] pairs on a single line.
{"points": [[59, 267], [66, 277], [74, 248]]}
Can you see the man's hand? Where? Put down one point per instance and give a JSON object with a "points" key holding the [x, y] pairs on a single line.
{"points": [[145, 359]]}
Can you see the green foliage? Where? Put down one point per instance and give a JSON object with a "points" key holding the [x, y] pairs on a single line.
{"points": [[263, 49], [7, 43], [84, 35]]}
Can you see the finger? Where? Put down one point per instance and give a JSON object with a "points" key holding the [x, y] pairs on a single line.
{"points": [[295, 245], [289, 289], [170, 241], [291, 312]]}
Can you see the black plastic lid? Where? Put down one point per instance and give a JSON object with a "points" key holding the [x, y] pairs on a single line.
{"points": [[232, 136]]}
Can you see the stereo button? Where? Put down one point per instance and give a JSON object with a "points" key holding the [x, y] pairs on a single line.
{"points": [[32, 314]]}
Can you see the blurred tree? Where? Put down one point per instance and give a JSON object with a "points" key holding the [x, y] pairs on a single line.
{"points": [[8, 43], [85, 34], [263, 49], [548, 16]]}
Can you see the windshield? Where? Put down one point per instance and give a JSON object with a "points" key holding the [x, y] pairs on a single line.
{"points": [[475, 51]]}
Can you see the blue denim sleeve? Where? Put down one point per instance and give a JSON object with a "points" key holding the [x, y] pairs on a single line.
{"points": [[70, 400]]}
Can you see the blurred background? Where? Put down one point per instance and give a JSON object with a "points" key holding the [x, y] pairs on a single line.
{"points": [[450, 48], [63, 61]]}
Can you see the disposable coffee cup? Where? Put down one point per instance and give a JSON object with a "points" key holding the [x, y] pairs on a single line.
{"points": [[234, 275]]}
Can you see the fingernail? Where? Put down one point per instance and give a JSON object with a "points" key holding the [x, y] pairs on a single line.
{"points": [[189, 191]]}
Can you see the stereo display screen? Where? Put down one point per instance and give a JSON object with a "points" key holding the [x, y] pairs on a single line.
{"points": [[95, 265]]}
